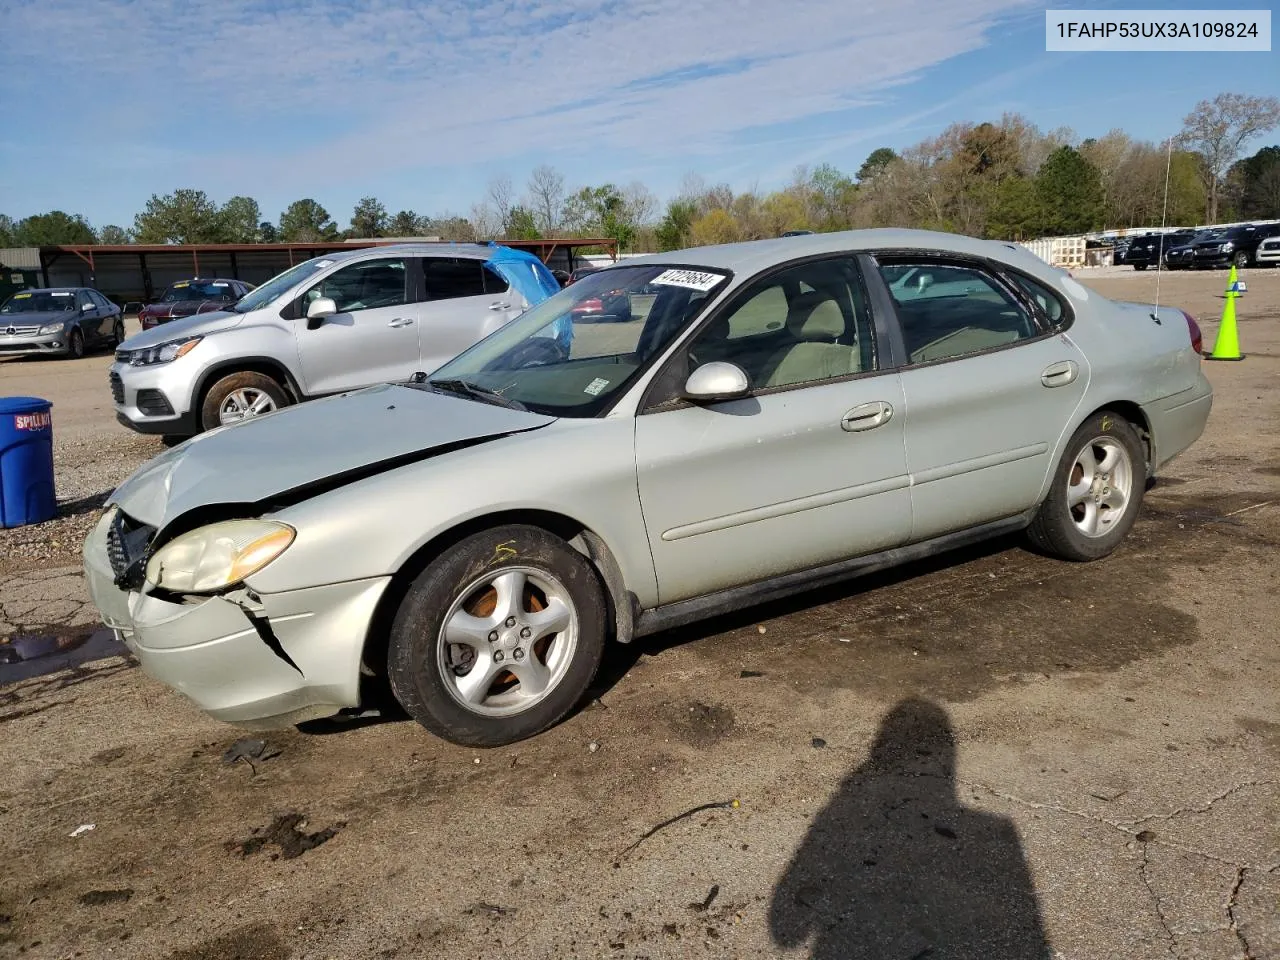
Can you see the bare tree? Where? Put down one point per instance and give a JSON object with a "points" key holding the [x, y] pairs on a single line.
{"points": [[484, 222], [1218, 129], [502, 198], [546, 197], [640, 203]]}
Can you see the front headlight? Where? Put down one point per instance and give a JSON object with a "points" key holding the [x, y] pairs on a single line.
{"points": [[1227, 247], [163, 353], [51, 328], [218, 556]]}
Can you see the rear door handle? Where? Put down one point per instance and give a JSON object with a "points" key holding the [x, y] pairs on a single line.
{"points": [[400, 322], [1060, 374], [866, 416], [499, 306]]}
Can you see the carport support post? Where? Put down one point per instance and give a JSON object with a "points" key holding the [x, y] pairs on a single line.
{"points": [[195, 259], [146, 277], [235, 272]]}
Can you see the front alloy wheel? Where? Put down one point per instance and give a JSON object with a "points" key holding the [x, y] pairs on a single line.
{"points": [[498, 638]]}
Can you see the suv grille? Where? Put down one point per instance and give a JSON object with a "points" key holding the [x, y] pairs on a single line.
{"points": [[128, 547], [117, 387]]}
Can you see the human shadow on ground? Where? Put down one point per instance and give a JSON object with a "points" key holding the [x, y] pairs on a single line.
{"points": [[897, 868]]}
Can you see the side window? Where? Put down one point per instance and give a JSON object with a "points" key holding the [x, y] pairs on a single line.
{"points": [[948, 310], [1049, 301], [98, 300], [448, 278], [805, 324], [494, 282], [362, 286], [83, 300]]}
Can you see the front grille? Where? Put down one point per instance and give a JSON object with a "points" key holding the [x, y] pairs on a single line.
{"points": [[13, 330], [128, 545], [117, 387], [154, 404]]}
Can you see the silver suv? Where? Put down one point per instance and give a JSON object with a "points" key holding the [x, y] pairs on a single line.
{"points": [[334, 323]]}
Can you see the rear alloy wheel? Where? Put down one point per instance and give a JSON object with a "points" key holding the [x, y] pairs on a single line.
{"points": [[241, 396], [1096, 494], [75, 345], [499, 638]]}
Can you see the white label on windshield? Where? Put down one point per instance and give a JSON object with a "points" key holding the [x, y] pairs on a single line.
{"points": [[324, 263], [219, 284], [595, 386], [692, 279], [58, 293]]}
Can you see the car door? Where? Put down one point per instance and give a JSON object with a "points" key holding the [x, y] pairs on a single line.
{"points": [[107, 312], [373, 338], [91, 318], [465, 302], [808, 469], [990, 383]]}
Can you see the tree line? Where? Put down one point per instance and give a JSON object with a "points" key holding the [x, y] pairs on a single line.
{"points": [[1003, 179]]}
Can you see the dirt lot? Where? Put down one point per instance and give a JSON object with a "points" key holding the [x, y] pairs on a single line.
{"points": [[991, 755]]}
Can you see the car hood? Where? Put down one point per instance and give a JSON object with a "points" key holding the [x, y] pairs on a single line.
{"points": [[35, 318], [317, 445], [195, 326]]}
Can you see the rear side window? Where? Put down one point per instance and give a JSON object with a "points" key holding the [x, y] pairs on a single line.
{"points": [[1048, 301], [447, 278], [494, 282], [948, 310]]}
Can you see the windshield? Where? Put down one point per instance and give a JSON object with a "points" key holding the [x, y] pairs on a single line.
{"points": [[198, 290], [40, 301], [572, 354], [279, 285]]}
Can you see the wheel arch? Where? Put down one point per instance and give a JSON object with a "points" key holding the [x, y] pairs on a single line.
{"points": [[267, 366], [621, 606], [1132, 413]]}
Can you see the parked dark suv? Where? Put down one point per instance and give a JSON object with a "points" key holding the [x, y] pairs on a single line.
{"points": [[1149, 250], [188, 297], [1233, 245], [1182, 257]]}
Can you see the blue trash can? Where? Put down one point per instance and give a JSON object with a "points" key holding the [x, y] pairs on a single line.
{"points": [[26, 461]]}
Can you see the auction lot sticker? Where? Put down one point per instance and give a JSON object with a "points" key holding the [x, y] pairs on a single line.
{"points": [[692, 279]]}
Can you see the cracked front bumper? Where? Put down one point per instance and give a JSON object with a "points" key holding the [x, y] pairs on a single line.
{"points": [[211, 650]]}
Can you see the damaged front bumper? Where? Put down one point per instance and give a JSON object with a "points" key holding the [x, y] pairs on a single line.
{"points": [[256, 660]]}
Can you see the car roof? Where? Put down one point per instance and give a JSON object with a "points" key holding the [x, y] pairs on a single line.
{"points": [[52, 289], [470, 251], [752, 255], [208, 280]]}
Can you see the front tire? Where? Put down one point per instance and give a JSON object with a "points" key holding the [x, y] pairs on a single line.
{"points": [[75, 345], [1096, 491], [117, 333], [1242, 259], [499, 638], [241, 396]]}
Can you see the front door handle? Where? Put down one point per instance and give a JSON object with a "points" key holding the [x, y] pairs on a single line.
{"points": [[499, 306], [1060, 374], [400, 322], [866, 416]]}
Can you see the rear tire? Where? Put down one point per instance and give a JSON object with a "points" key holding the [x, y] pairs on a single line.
{"points": [[246, 393], [457, 662], [1096, 491]]}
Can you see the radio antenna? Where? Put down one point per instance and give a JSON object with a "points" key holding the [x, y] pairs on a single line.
{"points": [[1164, 218]]}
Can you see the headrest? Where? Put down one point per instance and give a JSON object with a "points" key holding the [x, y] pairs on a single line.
{"points": [[815, 316]]}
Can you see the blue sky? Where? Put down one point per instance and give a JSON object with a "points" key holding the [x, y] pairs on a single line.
{"points": [[421, 102]]}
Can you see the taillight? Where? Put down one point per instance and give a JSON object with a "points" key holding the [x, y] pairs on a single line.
{"points": [[1197, 339]]}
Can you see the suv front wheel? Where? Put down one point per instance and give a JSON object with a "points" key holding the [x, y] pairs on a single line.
{"points": [[241, 396]]}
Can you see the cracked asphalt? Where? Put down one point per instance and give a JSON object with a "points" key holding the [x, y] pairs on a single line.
{"points": [[987, 755]]}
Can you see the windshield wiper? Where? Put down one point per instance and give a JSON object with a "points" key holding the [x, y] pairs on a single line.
{"points": [[468, 389]]}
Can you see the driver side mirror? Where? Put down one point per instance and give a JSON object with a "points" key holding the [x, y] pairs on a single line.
{"points": [[717, 380], [318, 309], [86, 308]]}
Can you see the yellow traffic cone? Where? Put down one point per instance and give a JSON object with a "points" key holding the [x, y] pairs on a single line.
{"points": [[1227, 345]]}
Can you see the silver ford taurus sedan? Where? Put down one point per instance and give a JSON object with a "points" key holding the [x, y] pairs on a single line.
{"points": [[772, 416]]}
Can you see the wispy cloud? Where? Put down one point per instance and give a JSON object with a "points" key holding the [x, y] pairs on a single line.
{"points": [[311, 89]]}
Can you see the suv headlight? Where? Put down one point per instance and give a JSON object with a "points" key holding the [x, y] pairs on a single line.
{"points": [[218, 556], [1227, 247], [162, 353], [52, 327]]}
